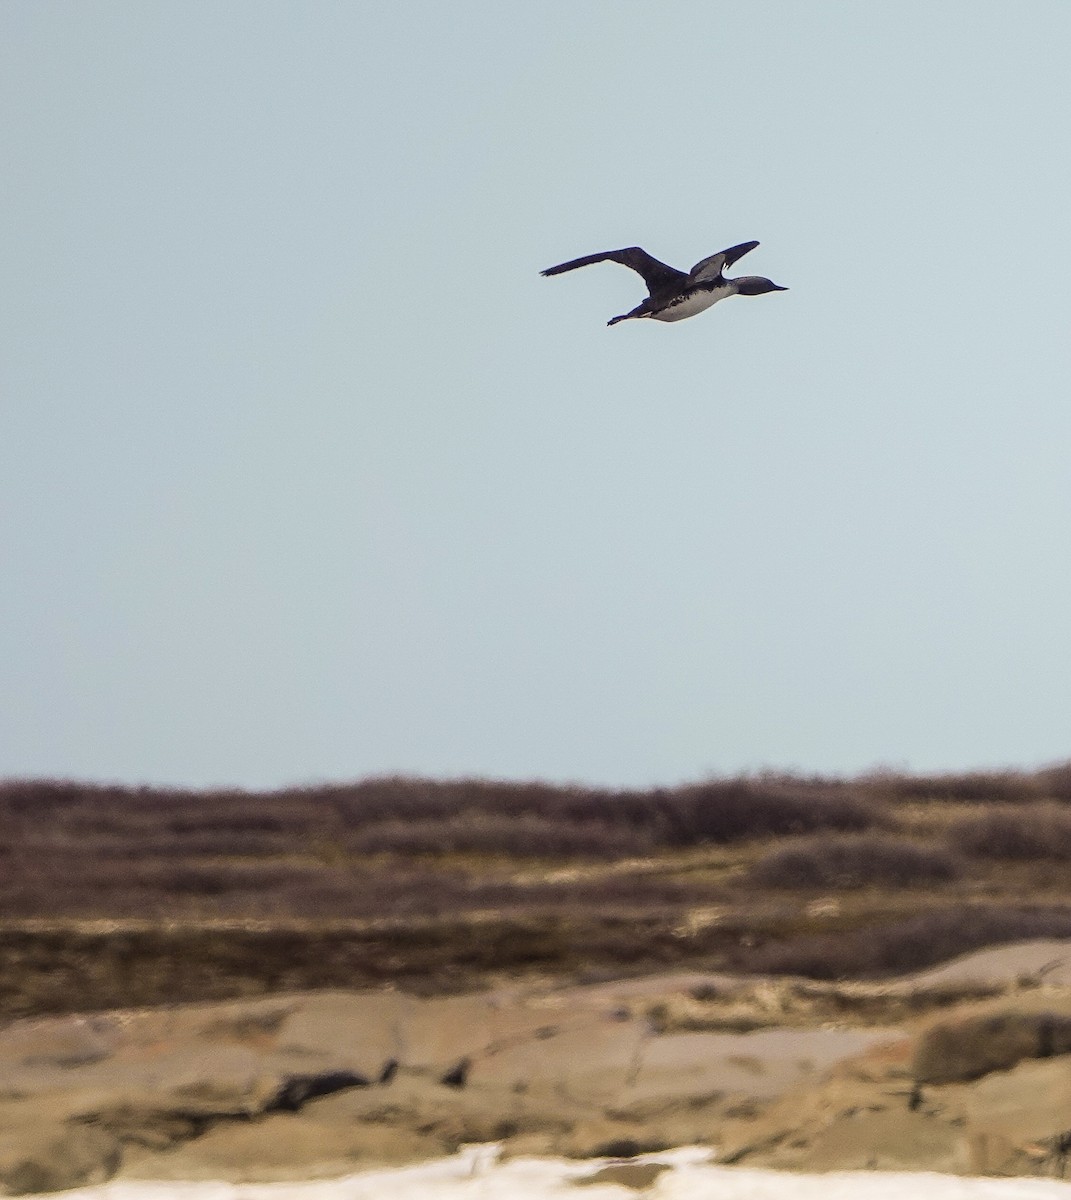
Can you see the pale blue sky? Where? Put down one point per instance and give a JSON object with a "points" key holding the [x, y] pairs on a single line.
{"points": [[305, 473]]}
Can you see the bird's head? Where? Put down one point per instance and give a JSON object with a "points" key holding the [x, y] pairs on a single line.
{"points": [[755, 285]]}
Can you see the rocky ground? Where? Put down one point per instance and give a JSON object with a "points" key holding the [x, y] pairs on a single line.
{"points": [[964, 1068]]}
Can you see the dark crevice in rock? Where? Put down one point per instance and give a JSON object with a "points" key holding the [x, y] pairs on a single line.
{"points": [[628, 1147], [299, 1089], [458, 1075], [1046, 1035]]}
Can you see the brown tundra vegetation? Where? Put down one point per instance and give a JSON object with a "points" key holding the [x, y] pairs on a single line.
{"points": [[124, 895]]}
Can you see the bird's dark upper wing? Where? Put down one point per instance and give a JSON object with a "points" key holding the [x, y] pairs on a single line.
{"points": [[712, 267], [655, 274]]}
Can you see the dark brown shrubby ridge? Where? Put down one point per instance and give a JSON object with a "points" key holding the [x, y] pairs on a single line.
{"points": [[169, 891], [965, 1047], [978, 787], [1055, 782], [900, 946], [863, 860], [1035, 831], [81, 828], [526, 835]]}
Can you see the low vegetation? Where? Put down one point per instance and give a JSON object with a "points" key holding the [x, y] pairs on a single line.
{"points": [[894, 946], [1033, 831], [862, 860], [964, 1047], [110, 891], [739, 1005]]}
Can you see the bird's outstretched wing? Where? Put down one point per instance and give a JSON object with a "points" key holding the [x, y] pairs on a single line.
{"points": [[712, 267], [655, 274]]}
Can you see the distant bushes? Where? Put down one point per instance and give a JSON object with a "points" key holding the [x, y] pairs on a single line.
{"points": [[56, 811], [732, 810], [1055, 781], [717, 811], [396, 846], [971, 787], [898, 947], [974, 787], [1035, 831], [402, 815], [854, 861], [414, 816], [523, 836], [398, 877], [69, 883], [393, 846]]}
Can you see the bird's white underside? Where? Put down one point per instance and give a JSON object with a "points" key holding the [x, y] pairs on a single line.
{"points": [[697, 302]]}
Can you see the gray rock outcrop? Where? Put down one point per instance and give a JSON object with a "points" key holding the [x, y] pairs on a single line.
{"points": [[328, 1083]]}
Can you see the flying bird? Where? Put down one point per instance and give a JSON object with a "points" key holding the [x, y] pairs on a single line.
{"points": [[675, 294]]}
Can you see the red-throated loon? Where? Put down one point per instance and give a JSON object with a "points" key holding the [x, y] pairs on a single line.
{"points": [[675, 295]]}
